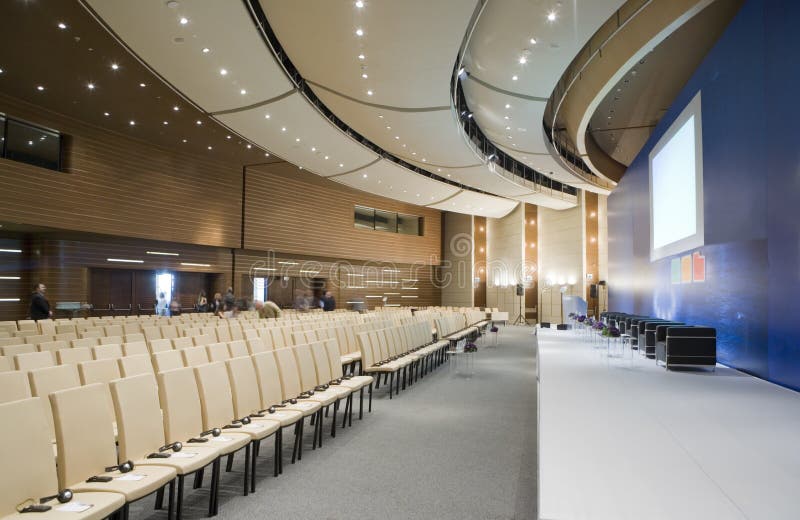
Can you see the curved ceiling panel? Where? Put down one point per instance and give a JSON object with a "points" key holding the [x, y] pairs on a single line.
{"points": [[293, 129], [483, 178], [387, 179], [175, 50], [548, 200], [409, 46], [474, 203], [430, 139]]}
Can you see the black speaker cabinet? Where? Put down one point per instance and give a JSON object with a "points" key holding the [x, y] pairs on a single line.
{"points": [[545, 324], [562, 326], [593, 290], [520, 290]]}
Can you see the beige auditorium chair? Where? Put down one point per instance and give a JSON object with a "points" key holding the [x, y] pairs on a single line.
{"points": [[328, 350], [85, 342], [26, 449], [107, 340], [218, 352], [167, 360], [4, 342], [272, 395], [13, 387], [52, 346], [39, 338], [33, 360], [183, 417], [310, 381], [6, 364], [130, 366], [257, 345], [109, 351], [159, 345], [45, 381], [369, 364], [216, 403], [66, 336], [204, 339], [141, 436], [194, 356], [98, 371], [247, 403], [13, 350], [134, 336], [182, 342], [87, 448], [238, 348], [73, 356], [135, 348], [8, 326], [27, 325]]}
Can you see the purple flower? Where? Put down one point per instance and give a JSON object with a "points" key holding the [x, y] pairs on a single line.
{"points": [[581, 318], [613, 332]]}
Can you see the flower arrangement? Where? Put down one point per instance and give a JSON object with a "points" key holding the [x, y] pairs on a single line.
{"points": [[611, 331], [590, 322], [493, 329], [581, 318], [572, 315], [470, 347], [599, 325]]}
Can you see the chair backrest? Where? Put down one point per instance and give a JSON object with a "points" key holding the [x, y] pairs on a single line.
{"points": [[13, 350], [98, 371], [8, 326], [180, 402], [278, 341], [194, 356], [27, 325], [107, 351], [84, 432], [305, 362], [135, 348], [288, 371], [85, 342], [93, 332], [244, 386], [216, 400], [238, 348], [218, 352], [167, 360], [151, 332], [367, 360], [66, 336], [159, 345], [6, 364], [39, 338], [334, 359], [169, 332], [236, 332], [13, 387], [45, 381], [251, 333], [321, 362], [269, 379], [108, 340], [136, 365], [204, 339], [114, 330], [52, 346], [135, 336], [32, 360], [4, 342], [29, 468], [72, 356], [182, 342], [138, 413], [256, 345]]}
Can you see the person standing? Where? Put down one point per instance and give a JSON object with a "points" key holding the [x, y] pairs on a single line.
{"points": [[328, 302], [162, 304], [40, 307], [202, 302], [216, 304]]}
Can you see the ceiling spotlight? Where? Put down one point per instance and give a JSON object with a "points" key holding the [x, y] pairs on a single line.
{"points": [[365, 175], [297, 140], [90, 86], [266, 155], [210, 148], [184, 20], [142, 85], [508, 106], [523, 60], [1, 71], [341, 165], [249, 146], [199, 122], [206, 50], [267, 116], [283, 129], [106, 114], [176, 108], [223, 72], [62, 25], [533, 41], [243, 92], [227, 137], [424, 160], [326, 157], [132, 123], [551, 16], [397, 137], [39, 88], [313, 148], [514, 78], [114, 66], [359, 32], [369, 92], [508, 128], [359, 4], [184, 140], [361, 57], [166, 123], [364, 75], [506, 118]]}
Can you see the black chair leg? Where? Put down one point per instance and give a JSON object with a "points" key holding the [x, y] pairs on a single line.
{"points": [[256, 449], [198, 479], [370, 398], [333, 423], [391, 383], [212, 499], [361, 404], [277, 455], [159, 499], [229, 464], [179, 504], [247, 469]]}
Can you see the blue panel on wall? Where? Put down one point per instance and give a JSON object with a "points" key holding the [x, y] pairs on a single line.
{"points": [[751, 158]]}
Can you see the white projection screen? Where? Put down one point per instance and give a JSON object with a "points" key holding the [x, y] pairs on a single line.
{"points": [[676, 186]]}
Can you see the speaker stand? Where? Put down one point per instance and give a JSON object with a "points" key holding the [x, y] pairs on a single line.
{"points": [[521, 317]]}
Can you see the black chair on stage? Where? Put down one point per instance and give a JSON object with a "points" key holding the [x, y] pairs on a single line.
{"points": [[686, 346]]}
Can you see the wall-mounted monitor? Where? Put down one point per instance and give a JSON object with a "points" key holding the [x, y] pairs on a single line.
{"points": [[676, 186]]}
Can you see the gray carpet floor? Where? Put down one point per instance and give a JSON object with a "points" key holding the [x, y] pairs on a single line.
{"points": [[459, 444]]}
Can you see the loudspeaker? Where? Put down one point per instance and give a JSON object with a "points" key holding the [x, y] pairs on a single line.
{"points": [[520, 290], [593, 290]]}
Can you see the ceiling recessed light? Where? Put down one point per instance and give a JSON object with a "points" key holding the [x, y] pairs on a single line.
{"points": [[380, 117], [227, 137], [142, 85], [313, 149], [361, 57], [166, 122], [39, 88], [184, 20], [266, 155], [508, 128], [243, 92], [326, 157], [198, 122], [438, 169], [551, 16], [369, 92], [176, 108], [388, 127], [223, 72], [132, 122], [533, 41], [206, 50], [523, 60], [341, 165], [365, 175], [364, 75], [359, 4], [106, 114], [397, 137], [508, 106], [30, 143], [514, 78], [184, 140], [1, 71], [249, 146], [424, 160], [90, 86], [413, 153], [506, 118], [283, 129], [114, 66], [62, 25], [297, 140], [359, 32], [267, 116], [210, 148]]}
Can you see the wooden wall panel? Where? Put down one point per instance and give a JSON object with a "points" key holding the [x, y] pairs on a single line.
{"points": [[296, 212], [15, 280], [117, 185], [531, 263], [479, 270], [592, 249]]}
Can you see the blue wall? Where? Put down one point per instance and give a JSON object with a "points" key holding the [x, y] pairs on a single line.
{"points": [[750, 84]]}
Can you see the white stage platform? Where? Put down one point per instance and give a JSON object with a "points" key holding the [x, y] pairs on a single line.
{"points": [[621, 438]]}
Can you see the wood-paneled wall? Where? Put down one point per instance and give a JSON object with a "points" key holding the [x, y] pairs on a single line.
{"points": [[479, 254], [531, 263], [15, 283], [592, 249], [296, 212], [116, 185]]}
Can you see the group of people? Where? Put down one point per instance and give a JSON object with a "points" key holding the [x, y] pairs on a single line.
{"points": [[305, 301]]}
